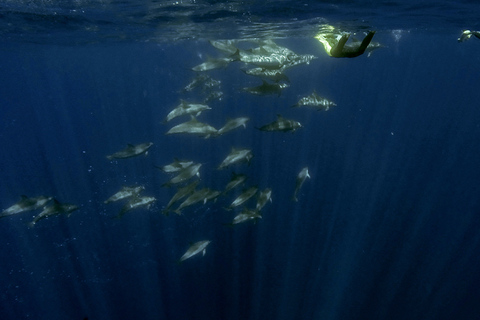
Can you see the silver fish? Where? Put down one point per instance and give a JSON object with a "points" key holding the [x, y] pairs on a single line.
{"points": [[214, 95], [194, 127], [212, 195], [175, 166], [213, 63], [300, 180], [246, 215], [197, 196], [281, 124], [55, 209], [185, 174], [226, 46], [288, 57], [267, 88], [295, 60], [314, 100], [210, 83], [198, 81], [131, 151], [202, 195], [237, 179], [233, 124], [194, 249], [125, 192], [243, 197], [181, 193], [263, 198], [236, 156], [136, 202], [269, 46], [25, 204], [185, 108], [266, 60], [467, 34], [274, 75]]}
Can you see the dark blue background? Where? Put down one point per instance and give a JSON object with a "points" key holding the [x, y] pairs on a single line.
{"points": [[387, 228]]}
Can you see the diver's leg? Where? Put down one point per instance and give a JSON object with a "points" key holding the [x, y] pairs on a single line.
{"points": [[366, 41], [337, 50]]}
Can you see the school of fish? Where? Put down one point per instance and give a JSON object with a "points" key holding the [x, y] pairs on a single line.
{"points": [[264, 60]]}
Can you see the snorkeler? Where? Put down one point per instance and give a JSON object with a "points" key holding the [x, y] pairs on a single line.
{"points": [[334, 42], [467, 34], [340, 50]]}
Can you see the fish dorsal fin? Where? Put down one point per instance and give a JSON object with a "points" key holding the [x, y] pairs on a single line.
{"points": [[56, 202], [130, 145], [235, 56], [236, 53], [24, 197], [279, 117], [263, 51]]}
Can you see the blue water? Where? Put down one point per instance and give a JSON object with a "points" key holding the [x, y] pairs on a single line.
{"points": [[386, 228]]}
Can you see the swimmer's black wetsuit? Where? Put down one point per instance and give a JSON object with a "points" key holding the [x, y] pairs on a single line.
{"points": [[340, 50]]}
